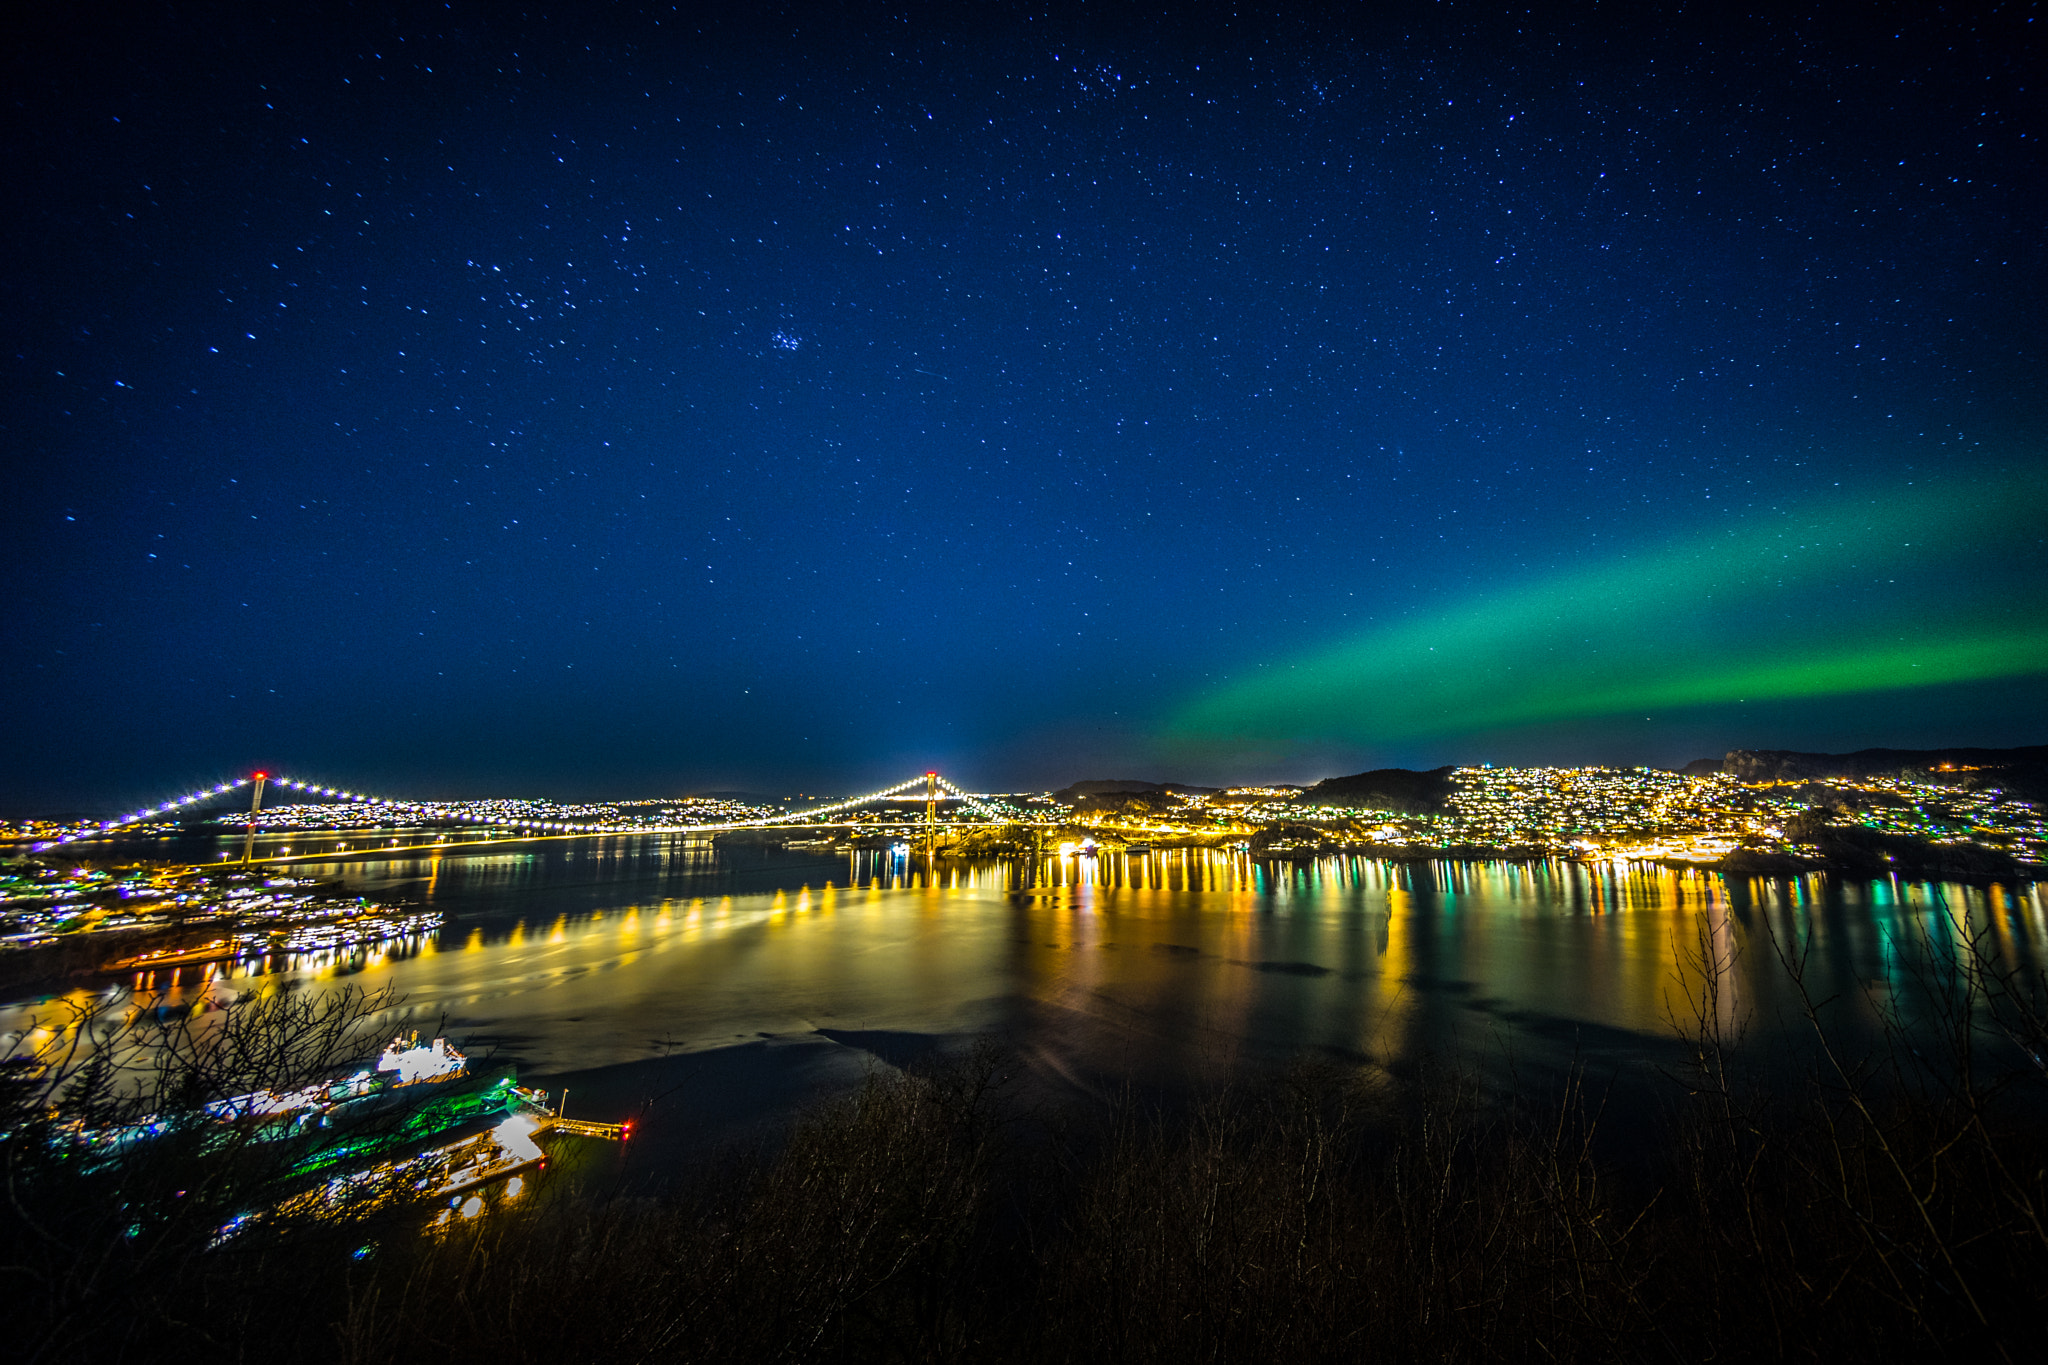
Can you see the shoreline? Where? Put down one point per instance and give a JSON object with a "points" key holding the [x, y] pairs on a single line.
{"points": [[1740, 864]]}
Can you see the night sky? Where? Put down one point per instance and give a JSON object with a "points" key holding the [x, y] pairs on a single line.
{"points": [[605, 401]]}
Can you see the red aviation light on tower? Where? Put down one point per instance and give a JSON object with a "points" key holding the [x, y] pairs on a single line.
{"points": [[259, 775]]}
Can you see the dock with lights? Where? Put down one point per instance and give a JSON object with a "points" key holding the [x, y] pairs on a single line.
{"points": [[552, 1121]]}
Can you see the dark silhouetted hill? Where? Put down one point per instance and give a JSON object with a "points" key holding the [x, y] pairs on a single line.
{"points": [[1132, 805], [1125, 786], [1394, 789]]}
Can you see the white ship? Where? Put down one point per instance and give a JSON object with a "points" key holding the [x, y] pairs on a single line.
{"points": [[414, 1062]]}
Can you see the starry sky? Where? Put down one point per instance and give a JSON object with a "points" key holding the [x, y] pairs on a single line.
{"points": [[461, 400]]}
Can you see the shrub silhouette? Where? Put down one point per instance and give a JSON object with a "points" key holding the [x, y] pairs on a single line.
{"points": [[1887, 1201]]}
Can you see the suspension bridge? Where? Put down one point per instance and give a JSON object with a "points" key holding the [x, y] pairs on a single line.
{"points": [[498, 821]]}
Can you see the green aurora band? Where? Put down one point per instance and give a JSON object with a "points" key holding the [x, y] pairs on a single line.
{"points": [[1920, 586]]}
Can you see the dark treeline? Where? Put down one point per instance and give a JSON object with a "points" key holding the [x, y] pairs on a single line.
{"points": [[1890, 1206]]}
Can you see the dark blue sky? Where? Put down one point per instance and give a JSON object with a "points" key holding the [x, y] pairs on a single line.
{"points": [[449, 400]]}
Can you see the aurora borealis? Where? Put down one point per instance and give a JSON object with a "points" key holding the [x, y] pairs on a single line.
{"points": [[458, 400], [1865, 591]]}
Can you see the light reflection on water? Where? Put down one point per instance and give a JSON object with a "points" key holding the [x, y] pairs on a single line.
{"points": [[1173, 963]]}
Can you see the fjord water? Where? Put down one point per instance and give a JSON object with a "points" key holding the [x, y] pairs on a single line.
{"points": [[739, 982]]}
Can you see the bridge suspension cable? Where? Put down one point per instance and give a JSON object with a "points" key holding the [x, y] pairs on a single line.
{"points": [[976, 802], [800, 816], [309, 788], [167, 808]]}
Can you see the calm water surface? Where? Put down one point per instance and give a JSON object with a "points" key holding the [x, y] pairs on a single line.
{"points": [[632, 968]]}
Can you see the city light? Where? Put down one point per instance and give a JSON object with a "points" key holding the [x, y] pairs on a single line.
{"points": [[1588, 813]]}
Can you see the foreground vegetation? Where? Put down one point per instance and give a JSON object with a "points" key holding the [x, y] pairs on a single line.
{"points": [[1882, 1205]]}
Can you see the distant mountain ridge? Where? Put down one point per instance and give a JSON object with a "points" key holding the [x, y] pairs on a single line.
{"points": [[2022, 771]]}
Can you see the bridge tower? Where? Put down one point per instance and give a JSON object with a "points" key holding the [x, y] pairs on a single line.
{"points": [[931, 821], [255, 804]]}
